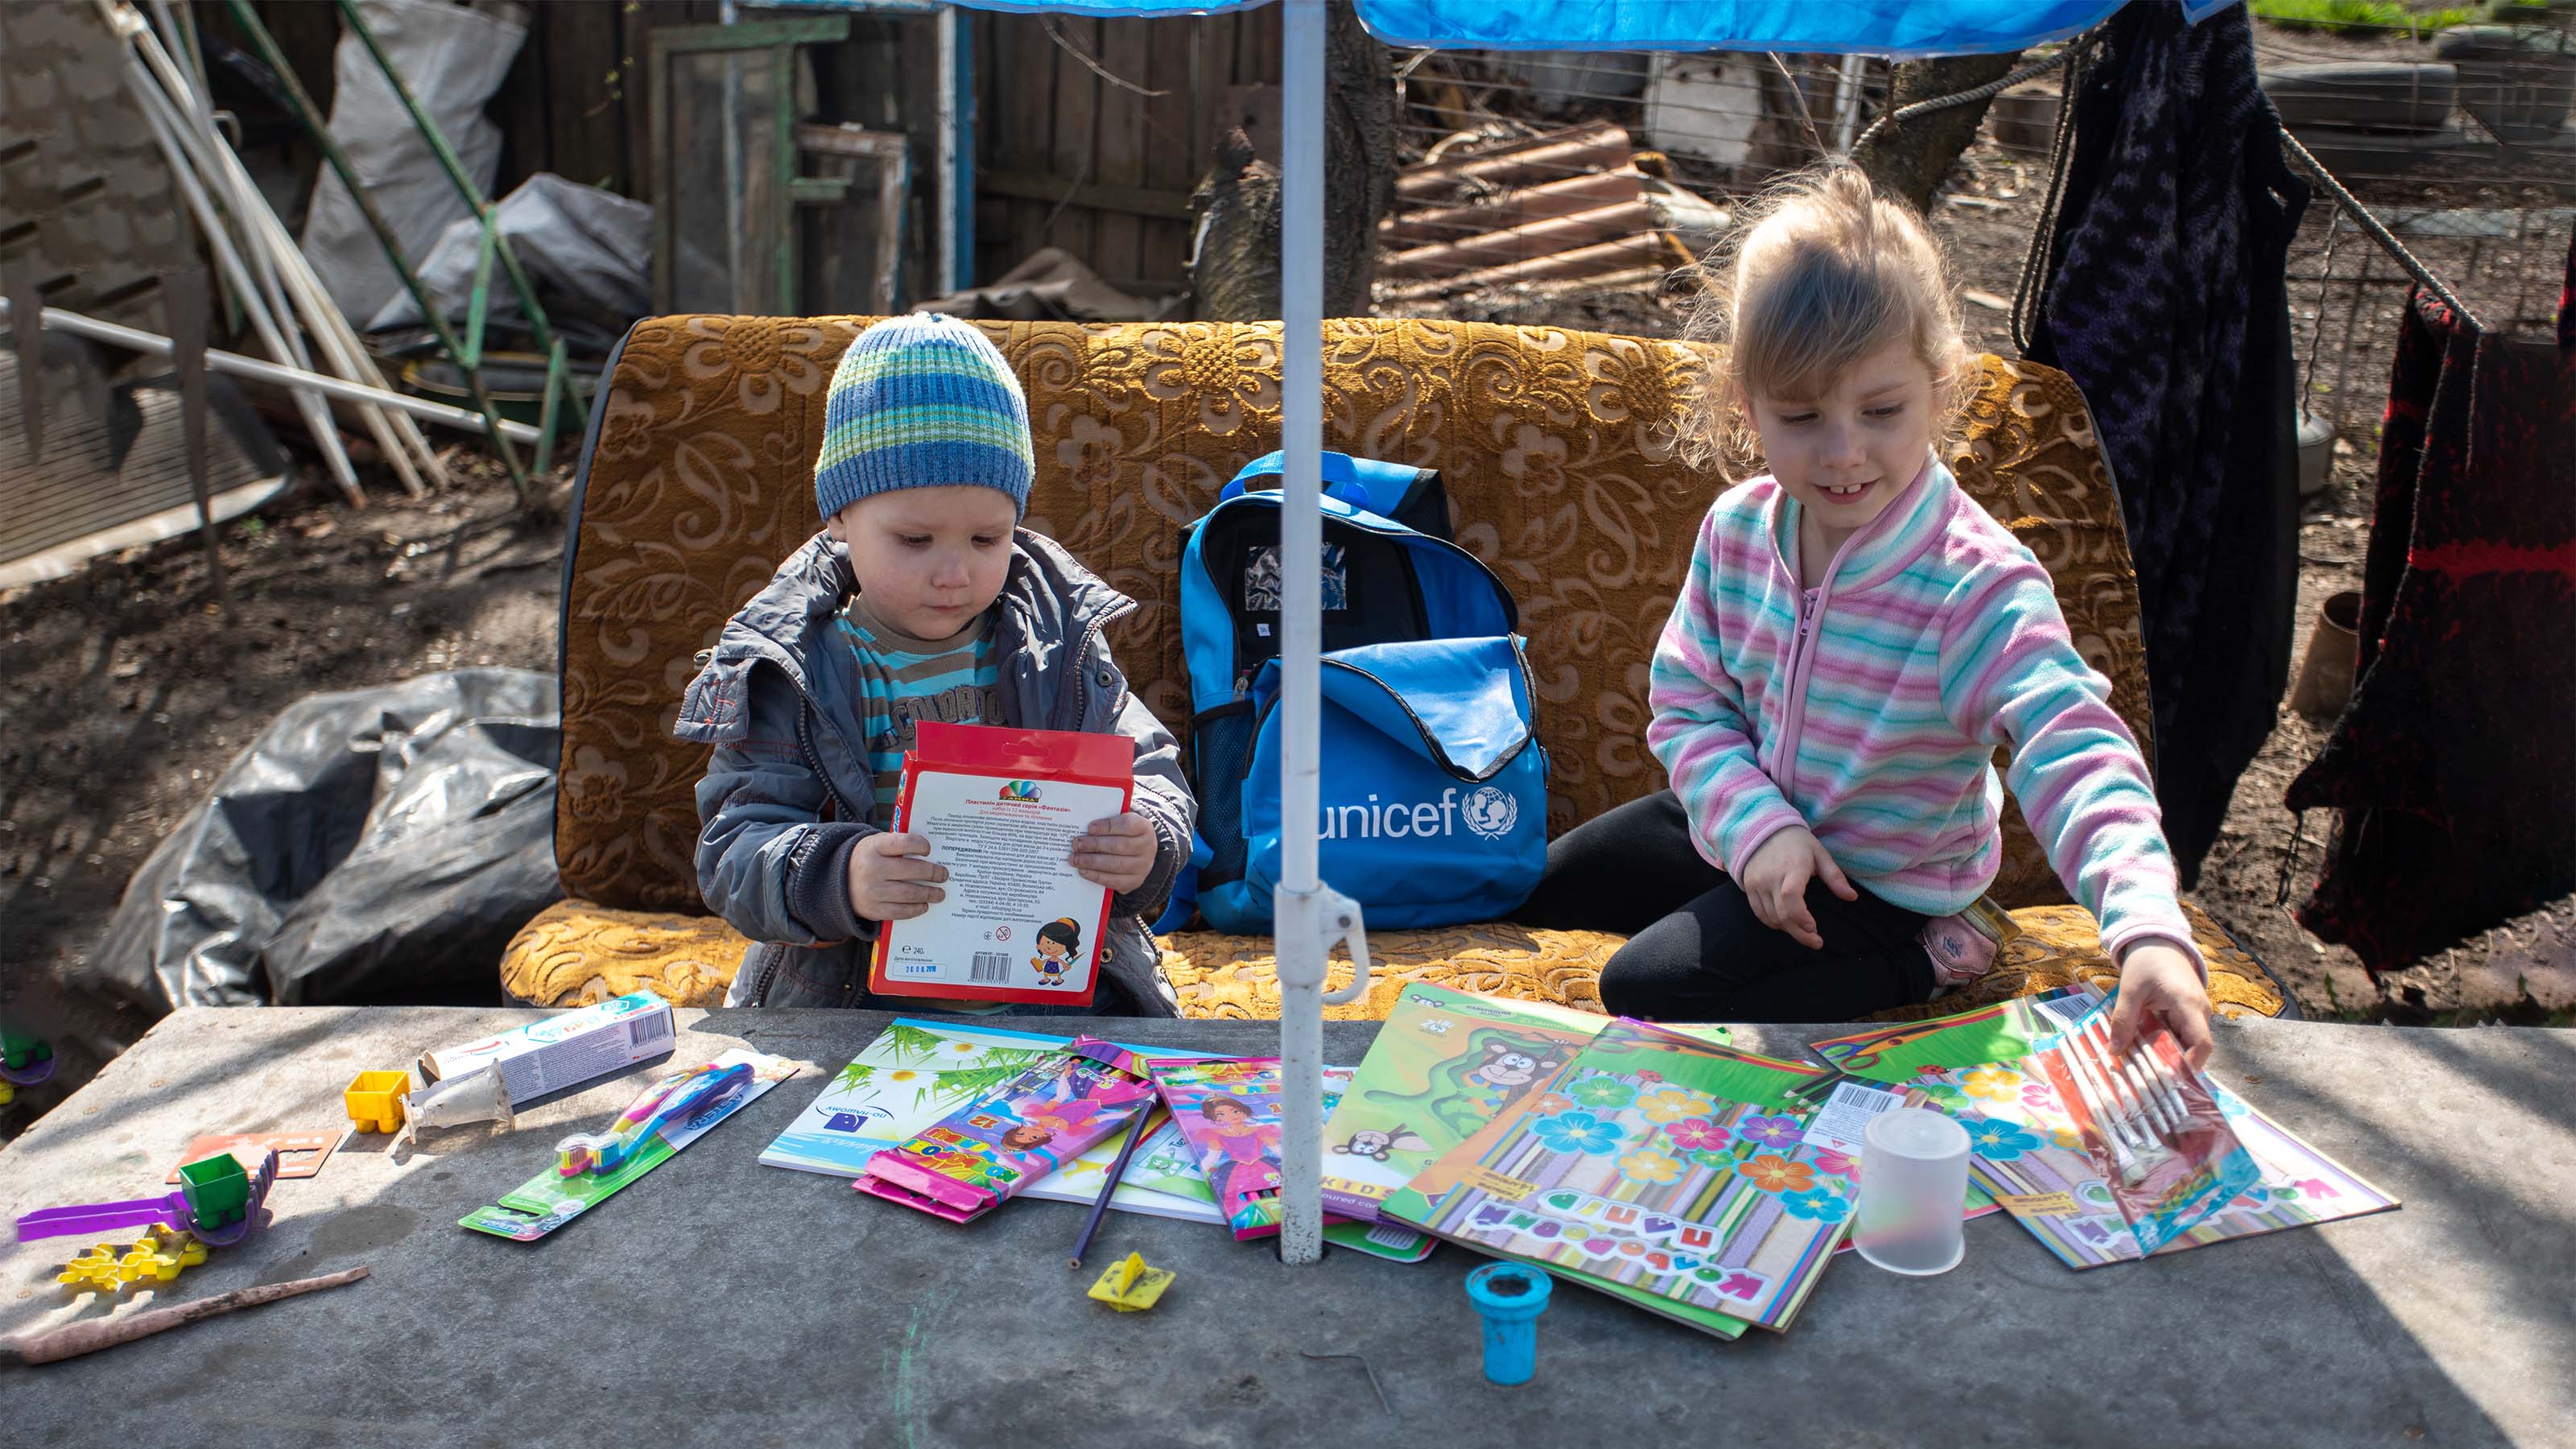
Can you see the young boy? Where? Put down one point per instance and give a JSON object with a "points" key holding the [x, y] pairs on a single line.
{"points": [[921, 599]]}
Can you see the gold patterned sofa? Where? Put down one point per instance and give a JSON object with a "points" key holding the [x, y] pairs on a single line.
{"points": [[1557, 448]]}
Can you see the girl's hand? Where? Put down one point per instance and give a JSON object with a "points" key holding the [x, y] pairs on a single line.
{"points": [[1117, 852], [892, 878], [2155, 975], [1775, 881]]}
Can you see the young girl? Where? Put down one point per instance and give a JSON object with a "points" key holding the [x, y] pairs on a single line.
{"points": [[1855, 638]]}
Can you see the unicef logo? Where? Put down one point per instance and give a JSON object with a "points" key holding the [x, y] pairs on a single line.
{"points": [[1490, 812]]}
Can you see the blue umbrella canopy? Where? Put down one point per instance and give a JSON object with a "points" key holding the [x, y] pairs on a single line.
{"points": [[1865, 27]]}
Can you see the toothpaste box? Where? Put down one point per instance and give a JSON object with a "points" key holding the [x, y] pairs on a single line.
{"points": [[563, 1050]]}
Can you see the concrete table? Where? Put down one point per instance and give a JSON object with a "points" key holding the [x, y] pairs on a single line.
{"points": [[718, 1301]]}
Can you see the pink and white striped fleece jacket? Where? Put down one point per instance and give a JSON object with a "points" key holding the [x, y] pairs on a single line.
{"points": [[1869, 710]]}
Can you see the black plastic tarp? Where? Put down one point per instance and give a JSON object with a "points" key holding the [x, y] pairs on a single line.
{"points": [[375, 846]]}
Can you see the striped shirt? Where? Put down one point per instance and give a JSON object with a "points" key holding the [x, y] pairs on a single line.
{"points": [[902, 680], [1869, 711]]}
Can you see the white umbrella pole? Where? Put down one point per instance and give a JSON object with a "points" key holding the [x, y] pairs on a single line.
{"points": [[1300, 902]]}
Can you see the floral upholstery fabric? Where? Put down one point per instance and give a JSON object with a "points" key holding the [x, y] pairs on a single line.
{"points": [[1558, 449], [576, 952]]}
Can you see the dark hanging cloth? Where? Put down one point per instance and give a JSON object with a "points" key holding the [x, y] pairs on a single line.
{"points": [[2165, 300], [2455, 764]]}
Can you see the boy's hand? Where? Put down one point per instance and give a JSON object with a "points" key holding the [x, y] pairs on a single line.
{"points": [[1117, 852], [892, 878], [1775, 881], [2155, 976]]}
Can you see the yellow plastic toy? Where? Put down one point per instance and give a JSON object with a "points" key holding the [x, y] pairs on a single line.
{"points": [[158, 1255], [1130, 1285], [92, 1272], [378, 1101], [8, 1094]]}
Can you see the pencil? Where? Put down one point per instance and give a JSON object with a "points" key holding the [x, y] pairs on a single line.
{"points": [[1109, 1185]]}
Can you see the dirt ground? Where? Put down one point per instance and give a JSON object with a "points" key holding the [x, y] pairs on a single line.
{"points": [[123, 692]]}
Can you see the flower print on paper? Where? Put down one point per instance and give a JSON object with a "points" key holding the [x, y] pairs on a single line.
{"points": [[1773, 1173], [1838, 1164], [1707, 1157], [1998, 1141], [1815, 1203], [1602, 1091], [1548, 1104], [1578, 1132], [1696, 1134], [1780, 1132], [1649, 1167], [1672, 1104], [1994, 1084]]}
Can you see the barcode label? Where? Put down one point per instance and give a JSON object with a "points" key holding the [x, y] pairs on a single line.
{"points": [[656, 1027], [994, 966], [1388, 1235]]}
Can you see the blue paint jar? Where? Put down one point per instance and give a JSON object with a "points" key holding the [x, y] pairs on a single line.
{"points": [[1510, 1297]]}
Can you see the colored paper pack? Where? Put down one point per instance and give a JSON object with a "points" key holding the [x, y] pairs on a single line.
{"points": [[1665, 1166], [549, 1200], [1444, 1064]]}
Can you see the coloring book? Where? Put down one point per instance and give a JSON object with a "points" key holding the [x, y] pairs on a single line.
{"points": [[1165, 1165], [1669, 1167], [1443, 1065], [916, 1072]]}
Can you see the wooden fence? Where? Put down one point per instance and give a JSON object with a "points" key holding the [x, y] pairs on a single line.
{"points": [[1064, 156]]}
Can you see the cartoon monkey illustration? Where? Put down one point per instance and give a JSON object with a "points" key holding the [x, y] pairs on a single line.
{"points": [[1368, 1142], [1512, 1070], [1496, 1069]]}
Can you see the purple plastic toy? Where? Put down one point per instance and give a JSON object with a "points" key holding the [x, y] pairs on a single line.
{"points": [[220, 1208]]}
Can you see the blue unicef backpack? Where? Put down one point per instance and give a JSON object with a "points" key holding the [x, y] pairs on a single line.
{"points": [[1434, 784]]}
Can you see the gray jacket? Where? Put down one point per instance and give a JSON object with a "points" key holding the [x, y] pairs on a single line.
{"points": [[788, 792]]}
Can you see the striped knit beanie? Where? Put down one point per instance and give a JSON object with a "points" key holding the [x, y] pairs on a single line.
{"points": [[919, 402]]}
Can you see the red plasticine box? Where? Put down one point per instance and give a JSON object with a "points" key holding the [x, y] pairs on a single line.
{"points": [[1001, 808]]}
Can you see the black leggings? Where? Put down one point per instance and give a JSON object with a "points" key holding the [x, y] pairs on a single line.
{"points": [[1696, 951]]}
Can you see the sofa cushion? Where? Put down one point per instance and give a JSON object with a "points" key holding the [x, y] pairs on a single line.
{"points": [[576, 952], [1557, 448]]}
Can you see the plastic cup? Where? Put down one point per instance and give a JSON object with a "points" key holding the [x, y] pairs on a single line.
{"points": [[1510, 1297], [1913, 1187]]}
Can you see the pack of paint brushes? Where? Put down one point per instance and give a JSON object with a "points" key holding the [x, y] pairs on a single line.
{"points": [[2151, 1125]]}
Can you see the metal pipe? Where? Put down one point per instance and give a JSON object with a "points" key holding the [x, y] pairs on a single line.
{"points": [[236, 365], [284, 345], [267, 242], [952, 262], [1297, 912]]}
